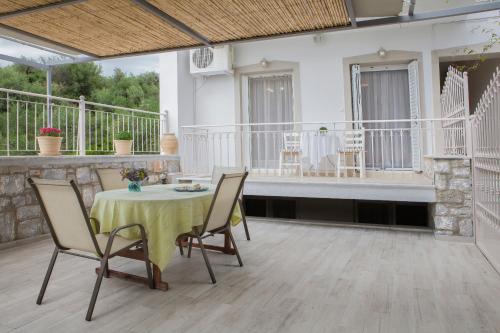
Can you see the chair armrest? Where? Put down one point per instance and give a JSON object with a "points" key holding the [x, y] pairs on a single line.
{"points": [[118, 229], [115, 231]]}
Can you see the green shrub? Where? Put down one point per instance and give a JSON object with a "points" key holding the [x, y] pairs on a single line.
{"points": [[123, 136]]}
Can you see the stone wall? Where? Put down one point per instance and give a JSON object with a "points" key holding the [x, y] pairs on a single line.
{"points": [[20, 214], [452, 212]]}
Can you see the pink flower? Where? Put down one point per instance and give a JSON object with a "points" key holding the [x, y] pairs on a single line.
{"points": [[50, 131]]}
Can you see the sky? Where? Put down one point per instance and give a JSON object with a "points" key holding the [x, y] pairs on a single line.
{"points": [[132, 65]]}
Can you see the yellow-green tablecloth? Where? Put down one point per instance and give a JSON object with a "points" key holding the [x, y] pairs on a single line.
{"points": [[164, 213]]}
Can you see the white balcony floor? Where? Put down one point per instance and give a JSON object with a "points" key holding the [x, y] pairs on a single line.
{"points": [[405, 186], [377, 185], [296, 278]]}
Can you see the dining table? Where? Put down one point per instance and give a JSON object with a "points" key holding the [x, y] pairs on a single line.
{"points": [[166, 215]]}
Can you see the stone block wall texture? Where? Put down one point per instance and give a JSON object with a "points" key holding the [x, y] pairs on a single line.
{"points": [[20, 213], [452, 212]]}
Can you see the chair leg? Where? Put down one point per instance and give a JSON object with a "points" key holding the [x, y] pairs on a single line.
{"points": [[47, 276], [301, 168], [145, 250], [362, 172], [97, 286], [235, 248], [244, 219], [281, 164], [205, 257], [190, 247], [181, 249], [338, 165], [106, 272]]}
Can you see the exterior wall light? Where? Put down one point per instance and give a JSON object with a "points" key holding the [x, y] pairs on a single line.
{"points": [[382, 53]]}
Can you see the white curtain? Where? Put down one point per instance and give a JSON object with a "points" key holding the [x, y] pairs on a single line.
{"points": [[385, 96], [270, 100]]}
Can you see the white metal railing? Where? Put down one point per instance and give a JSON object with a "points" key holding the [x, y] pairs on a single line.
{"points": [[388, 144], [486, 159], [88, 127], [455, 111]]}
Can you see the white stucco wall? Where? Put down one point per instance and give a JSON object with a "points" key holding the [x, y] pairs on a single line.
{"points": [[320, 68], [176, 90]]}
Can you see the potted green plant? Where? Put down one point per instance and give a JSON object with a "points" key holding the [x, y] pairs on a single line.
{"points": [[49, 141], [323, 130], [123, 143]]}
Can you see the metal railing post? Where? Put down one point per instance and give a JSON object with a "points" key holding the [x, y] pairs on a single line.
{"points": [[164, 127], [468, 126], [8, 126], [81, 126], [49, 95]]}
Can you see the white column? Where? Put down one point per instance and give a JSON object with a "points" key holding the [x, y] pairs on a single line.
{"points": [[176, 90], [169, 101]]}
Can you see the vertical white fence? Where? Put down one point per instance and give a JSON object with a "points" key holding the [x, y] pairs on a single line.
{"points": [[387, 145], [486, 163], [455, 112], [88, 127]]}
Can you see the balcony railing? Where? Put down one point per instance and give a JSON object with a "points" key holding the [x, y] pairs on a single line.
{"points": [[388, 145], [88, 127]]}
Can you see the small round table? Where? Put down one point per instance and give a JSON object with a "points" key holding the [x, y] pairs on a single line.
{"points": [[165, 214]]}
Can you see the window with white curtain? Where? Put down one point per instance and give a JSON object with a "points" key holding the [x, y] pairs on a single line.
{"points": [[270, 100]]}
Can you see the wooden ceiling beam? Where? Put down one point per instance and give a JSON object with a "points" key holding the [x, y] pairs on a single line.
{"points": [[172, 21], [23, 61], [41, 8], [32, 38], [351, 13]]}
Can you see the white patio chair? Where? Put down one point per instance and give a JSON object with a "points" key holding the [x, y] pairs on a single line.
{"points": [[217, 173], [71, 229], [352, 155], [291, 154], [218, 220], [111, 179]]}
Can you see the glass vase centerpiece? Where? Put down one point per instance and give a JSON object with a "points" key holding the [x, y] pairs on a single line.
{"points": [[135, 178]]}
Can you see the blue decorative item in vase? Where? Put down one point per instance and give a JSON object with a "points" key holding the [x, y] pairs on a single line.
{"points": [[135, 177], [134, 186]]}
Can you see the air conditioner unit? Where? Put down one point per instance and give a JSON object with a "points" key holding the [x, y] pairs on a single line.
{"points": [[207, 61]]}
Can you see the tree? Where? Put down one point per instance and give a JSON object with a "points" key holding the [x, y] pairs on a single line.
{"points": [[75, 80], [72, 81]]}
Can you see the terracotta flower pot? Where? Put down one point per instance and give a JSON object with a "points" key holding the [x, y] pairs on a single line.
{"points": [[169, 144], [49, 145], [123, 147]]}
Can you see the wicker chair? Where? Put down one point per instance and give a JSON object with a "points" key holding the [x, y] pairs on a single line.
{"points": [[218, 220], [71, 229]]}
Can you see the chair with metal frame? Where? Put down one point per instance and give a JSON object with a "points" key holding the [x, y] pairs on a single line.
{"points": [[71, 229], [217, 172], [110, 179], [218, 220]]}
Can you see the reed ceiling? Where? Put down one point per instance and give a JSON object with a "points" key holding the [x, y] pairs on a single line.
{"points": [[119, 27]]}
